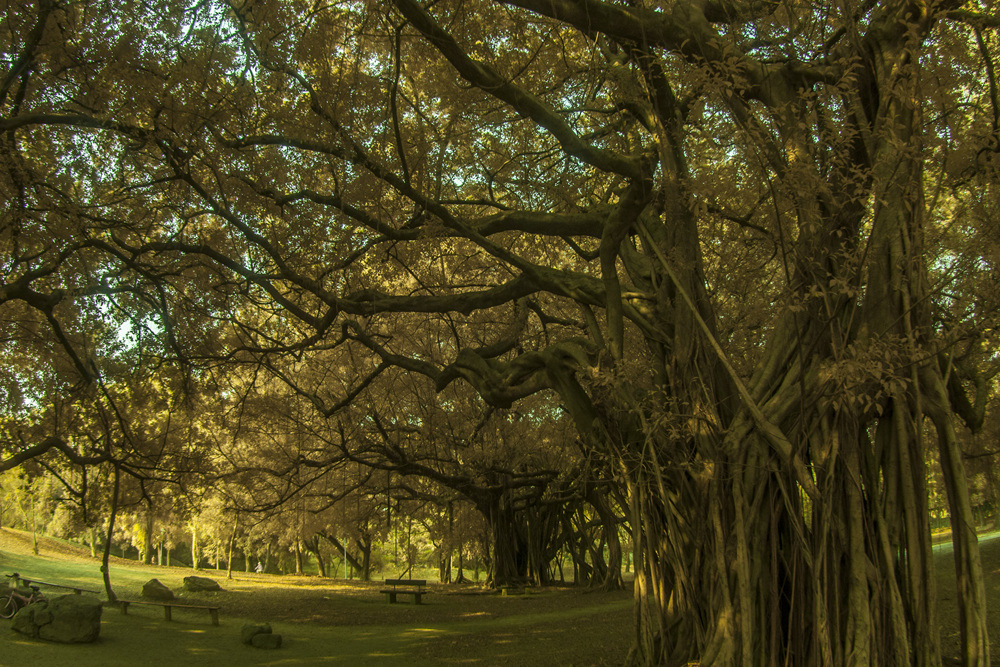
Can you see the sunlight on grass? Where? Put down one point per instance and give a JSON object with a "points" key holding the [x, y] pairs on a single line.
{"points": [[22, 642], [348, 624]]}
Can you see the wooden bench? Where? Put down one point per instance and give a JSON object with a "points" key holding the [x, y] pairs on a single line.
{"points": [[167, 606], [19, 580], [414, 587]]}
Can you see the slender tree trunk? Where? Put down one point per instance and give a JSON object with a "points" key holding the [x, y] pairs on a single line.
{"points": [[312, 545], [195, 555], [92, 532], [34, 533], [147, 538], [366, 559], [232, 542], [460, 577], [105, 570]]}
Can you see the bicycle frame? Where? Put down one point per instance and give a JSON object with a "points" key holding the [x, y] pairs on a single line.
{"points": [[15, 601]]}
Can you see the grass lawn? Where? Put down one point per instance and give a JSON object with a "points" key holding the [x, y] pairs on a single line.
{"points": [[322, 621], [326, 621]]}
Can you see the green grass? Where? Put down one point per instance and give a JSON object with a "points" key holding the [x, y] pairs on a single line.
{"points": [[548, 628], [132, 641], [350, 623], [338, 622]]}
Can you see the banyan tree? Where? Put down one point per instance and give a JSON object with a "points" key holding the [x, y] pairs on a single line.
{"points": [[747, 246]]}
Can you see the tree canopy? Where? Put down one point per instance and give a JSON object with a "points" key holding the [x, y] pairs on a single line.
{"points": [[749, 248]]}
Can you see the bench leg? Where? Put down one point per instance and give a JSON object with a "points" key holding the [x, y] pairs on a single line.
{"points": [[166, 612], [416, 597], [392, 597], [215, 616]]}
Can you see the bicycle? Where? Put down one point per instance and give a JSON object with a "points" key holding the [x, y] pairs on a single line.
{"points": [[13, 601]]}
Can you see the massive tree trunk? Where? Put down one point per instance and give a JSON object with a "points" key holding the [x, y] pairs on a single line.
{"points": [[522, 541], [790, 525], [508, 564], [544, 537]]}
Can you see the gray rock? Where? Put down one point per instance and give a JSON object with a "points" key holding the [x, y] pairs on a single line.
{"points": [[267, 640], [251, 630], [69, 619], [154, 590], [24, 619], [198, 584]]}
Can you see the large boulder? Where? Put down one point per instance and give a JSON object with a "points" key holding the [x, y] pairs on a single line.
{"points": [[259, 635], [154, 590], [199, 584], [251, 630], [69, 619]]}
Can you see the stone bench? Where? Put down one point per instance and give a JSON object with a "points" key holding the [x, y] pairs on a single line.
{"points": [[414, 587], [168, 606]]}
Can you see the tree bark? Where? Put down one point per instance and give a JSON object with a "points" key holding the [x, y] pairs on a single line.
{"points": [[147, 538], [195, 555], [106, 558]]}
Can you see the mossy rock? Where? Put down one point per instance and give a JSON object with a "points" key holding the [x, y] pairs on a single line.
{"points": [[200, 584]]}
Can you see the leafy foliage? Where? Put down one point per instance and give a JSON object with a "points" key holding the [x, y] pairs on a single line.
{"points": [[747, 249]]}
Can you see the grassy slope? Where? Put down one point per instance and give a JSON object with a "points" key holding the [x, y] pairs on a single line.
{"points": [[322, 622]]}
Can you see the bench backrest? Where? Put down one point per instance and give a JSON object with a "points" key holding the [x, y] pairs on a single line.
{"points": [[406, 582]]}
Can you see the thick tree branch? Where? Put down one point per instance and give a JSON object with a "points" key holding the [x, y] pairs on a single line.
{"points": [[524, 102], [47, 445]]}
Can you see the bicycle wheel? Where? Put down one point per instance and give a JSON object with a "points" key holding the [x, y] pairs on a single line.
{"points": [[10, 607]]}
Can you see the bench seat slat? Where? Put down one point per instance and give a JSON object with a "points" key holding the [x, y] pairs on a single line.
{"points": [[414, 587], [169, 606], [405, 582]]}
